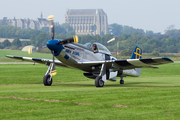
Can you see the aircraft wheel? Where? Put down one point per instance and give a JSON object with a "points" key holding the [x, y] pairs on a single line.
{"points": [[121, 81], [47, 80], [99, 82]]}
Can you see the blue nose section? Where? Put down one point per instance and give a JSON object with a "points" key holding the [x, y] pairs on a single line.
{"points": [[51, 44]]}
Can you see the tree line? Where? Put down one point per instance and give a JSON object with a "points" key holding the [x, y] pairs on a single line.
{"points": [[37, 37], [128, 38]]}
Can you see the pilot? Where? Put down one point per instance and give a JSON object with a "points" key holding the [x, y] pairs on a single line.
{"points": [[95, 48]]}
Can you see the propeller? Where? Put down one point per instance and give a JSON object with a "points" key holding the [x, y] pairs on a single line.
{"points": [[65, 41], [74, 39], [51, 30], [69, 40]]}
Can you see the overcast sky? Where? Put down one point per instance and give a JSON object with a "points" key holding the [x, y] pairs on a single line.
{"points": [[155, 15]]}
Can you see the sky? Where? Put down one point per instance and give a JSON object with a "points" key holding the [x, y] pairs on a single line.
{"points": [[155, 15]]}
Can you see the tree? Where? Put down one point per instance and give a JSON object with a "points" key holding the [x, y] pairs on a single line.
{"points": [[126, 52], [45, 29], [1, 46], [41, 39], [25, 43], [71, 33], [169, 28], [67, 27], [60, 30], [3, 21], [128, 30], [149, 32], [155, 53], [116, 29], [16, 42], [174, 33], [33, 39], [6, 43]]}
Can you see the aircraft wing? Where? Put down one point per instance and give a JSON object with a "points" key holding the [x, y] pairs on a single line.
{"points": [[37, 60], [130, 63]]}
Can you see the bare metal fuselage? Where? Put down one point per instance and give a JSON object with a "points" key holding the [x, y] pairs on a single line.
{"points": [[72, 54]]}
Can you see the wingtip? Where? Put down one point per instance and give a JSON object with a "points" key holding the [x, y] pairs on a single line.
{"points": [[167, 59], [8, 55]]}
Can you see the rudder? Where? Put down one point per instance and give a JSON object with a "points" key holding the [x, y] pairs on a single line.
{"points": [[137, 53]]}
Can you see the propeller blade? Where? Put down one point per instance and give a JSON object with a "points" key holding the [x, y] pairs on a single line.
{"points": [[53, 72], [69, 40], [51, 28]]}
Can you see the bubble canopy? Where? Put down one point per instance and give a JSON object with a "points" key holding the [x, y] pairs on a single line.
{"points": [[101, 48]]}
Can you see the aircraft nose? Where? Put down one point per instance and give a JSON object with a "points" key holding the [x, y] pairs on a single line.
{"points": [[51, 44]]}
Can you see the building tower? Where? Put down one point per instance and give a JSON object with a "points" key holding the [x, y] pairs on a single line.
{"points": [[87, 21], [41, 15]]}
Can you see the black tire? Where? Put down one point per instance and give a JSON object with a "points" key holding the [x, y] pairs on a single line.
{"points": [[121, 81], [99, 82], [47, 81]]}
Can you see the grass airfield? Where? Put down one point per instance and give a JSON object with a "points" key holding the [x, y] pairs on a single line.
{"points": [[153, 95]]}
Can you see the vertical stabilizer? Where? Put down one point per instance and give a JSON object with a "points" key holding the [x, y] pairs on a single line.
{"points": [[137, 53]]}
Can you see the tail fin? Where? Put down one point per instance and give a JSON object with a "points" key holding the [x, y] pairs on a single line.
{"points": [[137, 54]]}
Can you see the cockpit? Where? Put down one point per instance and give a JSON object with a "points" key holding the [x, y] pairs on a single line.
{"points": [[97, 47]]}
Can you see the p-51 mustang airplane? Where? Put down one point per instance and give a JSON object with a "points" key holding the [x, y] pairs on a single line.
{"points": [[95, 59]]}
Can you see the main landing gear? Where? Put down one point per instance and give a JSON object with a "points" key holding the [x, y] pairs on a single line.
{"points": [[101, 78], [47, 79], [99, 82]]}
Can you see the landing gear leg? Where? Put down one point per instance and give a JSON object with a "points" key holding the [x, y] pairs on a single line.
{"points": [[47, 79], [99, 81]]}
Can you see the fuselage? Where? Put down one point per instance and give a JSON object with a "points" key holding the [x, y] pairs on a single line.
{"points": [[72, 53]]}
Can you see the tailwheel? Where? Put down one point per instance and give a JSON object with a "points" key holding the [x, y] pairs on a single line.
{"points": [[121, 81], [99, 82], [47, 80]]}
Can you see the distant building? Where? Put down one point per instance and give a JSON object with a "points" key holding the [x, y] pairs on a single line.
{"points": [[87, 21], [28, 23]]}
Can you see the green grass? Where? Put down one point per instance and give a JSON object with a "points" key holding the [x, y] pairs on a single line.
{"points": [[153, 95]]}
